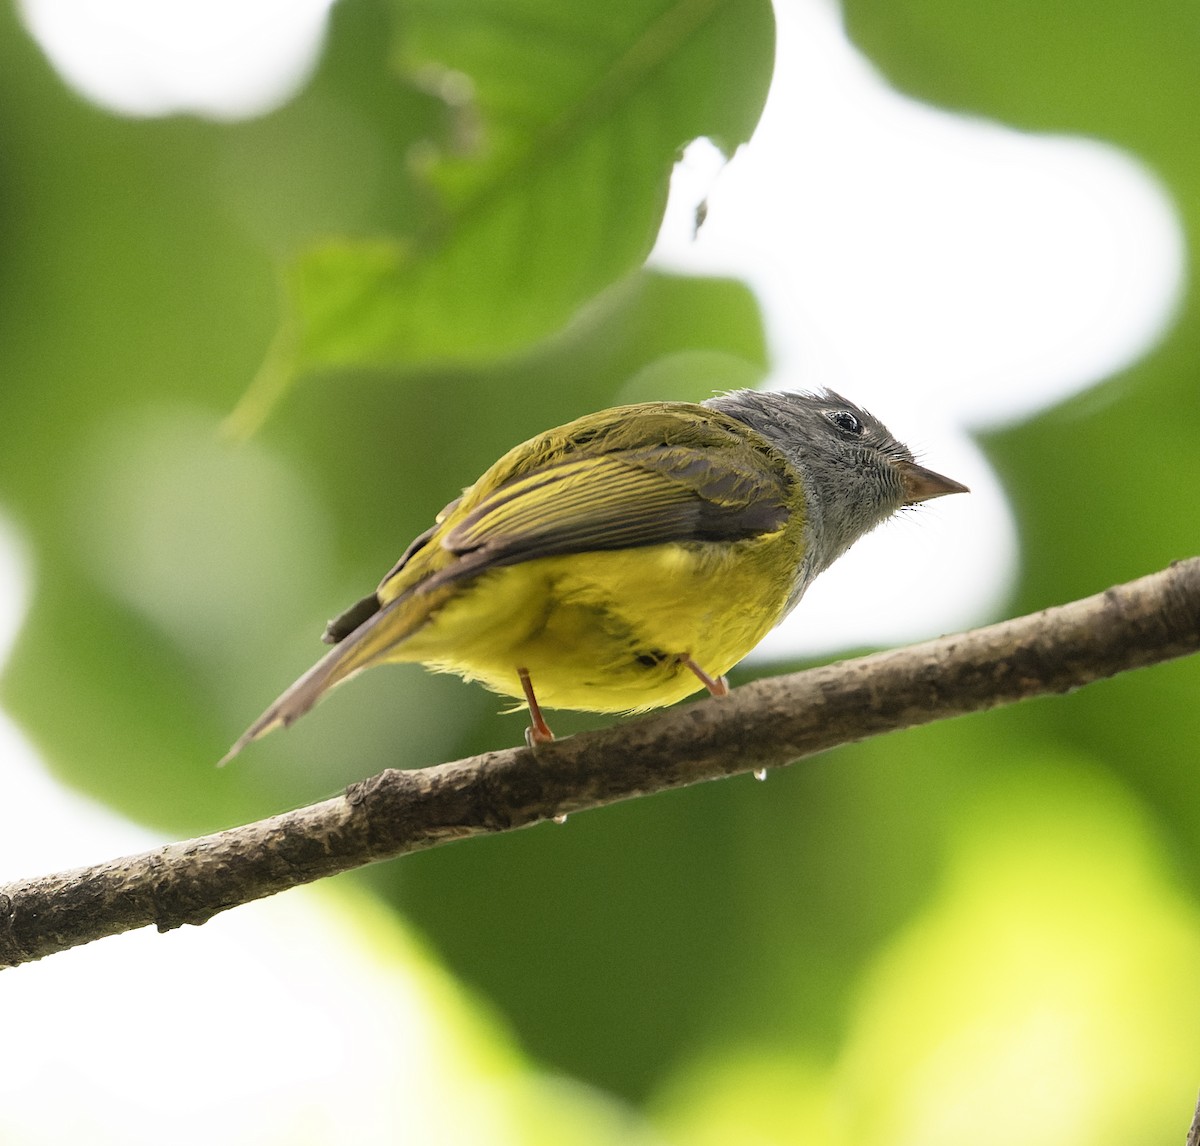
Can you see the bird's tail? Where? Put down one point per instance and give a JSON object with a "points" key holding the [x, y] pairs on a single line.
{"points": [[367, 645]]}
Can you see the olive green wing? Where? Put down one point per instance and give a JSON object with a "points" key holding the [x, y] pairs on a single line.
{"points": [[620, 500], [626, 477], [635, 476]]}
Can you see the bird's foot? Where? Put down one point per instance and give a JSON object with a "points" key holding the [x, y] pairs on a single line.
{"points": [[717, 686]]}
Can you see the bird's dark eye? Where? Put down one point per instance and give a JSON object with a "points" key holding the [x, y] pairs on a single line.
{"points": [[846, 421]]}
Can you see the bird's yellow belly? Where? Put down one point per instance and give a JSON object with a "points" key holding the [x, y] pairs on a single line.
{"points": [[608, 631]]}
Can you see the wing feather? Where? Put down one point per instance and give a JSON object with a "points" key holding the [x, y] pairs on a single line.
{"points": [[623, 500]]}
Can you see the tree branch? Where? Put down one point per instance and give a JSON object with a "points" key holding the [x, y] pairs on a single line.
{"points": [[766, 724]]}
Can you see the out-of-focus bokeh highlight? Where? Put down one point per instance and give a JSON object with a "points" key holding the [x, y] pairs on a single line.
{"points": [[276, 280], [223, 59]]}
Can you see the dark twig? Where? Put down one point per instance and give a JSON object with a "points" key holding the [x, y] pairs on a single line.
{"points": [[766, 724]]}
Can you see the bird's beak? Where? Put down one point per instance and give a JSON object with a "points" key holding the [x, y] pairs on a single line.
{"points": [[921, 484]]}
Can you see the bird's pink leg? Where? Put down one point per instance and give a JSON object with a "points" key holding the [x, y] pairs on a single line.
{"points": [[538, 731]]}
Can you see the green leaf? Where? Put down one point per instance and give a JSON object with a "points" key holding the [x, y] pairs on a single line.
{"points": [[558, 190]]}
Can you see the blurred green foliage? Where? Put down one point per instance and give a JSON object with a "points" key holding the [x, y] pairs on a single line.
{"points": [[983, 931]]}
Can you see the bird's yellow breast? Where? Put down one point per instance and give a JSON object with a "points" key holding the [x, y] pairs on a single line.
{"points": [[607, 631]]}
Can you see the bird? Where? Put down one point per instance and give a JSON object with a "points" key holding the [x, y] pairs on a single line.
{"points": [[629, 558]]}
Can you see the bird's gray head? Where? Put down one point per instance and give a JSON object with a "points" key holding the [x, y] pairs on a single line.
{"points": [[855, 473]]}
